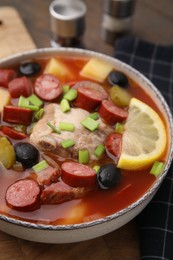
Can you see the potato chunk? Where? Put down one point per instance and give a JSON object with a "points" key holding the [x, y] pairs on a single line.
{"points": [[96, 69], [58, 69], [4, 98]]}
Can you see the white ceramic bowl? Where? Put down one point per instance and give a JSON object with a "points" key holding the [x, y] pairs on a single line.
{"points": [[93, 229]]}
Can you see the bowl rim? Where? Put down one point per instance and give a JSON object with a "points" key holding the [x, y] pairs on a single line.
{"points": [[40, 52]]}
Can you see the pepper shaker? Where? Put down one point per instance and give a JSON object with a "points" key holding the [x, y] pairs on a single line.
{"points": [[117, 18], [67, 22]]}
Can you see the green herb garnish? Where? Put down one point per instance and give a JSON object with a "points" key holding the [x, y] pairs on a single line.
{"points": [[157, 168], [90, 124], [54, 129]]}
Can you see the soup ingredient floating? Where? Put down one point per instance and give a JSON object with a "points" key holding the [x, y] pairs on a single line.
{"points": [[7, 153], [55, 125], [4, 98], [108, 176], [67, 130], [144, 137], [96, 70], [23, 195], [118, 78]]}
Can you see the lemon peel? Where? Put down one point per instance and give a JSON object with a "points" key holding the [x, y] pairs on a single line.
{"points": [[144, 138]]}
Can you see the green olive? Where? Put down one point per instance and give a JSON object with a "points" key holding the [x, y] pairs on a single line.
{"points": [[120, 96], [7, 153]]}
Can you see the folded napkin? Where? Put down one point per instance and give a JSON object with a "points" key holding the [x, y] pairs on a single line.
{"points": [[156, 221]]}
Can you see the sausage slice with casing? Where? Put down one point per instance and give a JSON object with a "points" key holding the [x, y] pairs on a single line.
{"points": [[112, 113], [78, 175], [23, 195], [47, 87], [90, 95]]}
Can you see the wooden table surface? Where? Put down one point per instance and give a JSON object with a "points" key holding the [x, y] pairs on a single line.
{"points": [[153, 21]]}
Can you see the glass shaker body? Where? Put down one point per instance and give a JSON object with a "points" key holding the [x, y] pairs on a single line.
{"points": [[67, 22], [117, 18]]}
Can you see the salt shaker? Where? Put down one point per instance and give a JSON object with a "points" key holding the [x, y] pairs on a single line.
{"points": [[117, 18], [67, 22]]}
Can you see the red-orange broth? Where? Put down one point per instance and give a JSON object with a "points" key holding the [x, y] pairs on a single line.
{"points": [[95, 204]]}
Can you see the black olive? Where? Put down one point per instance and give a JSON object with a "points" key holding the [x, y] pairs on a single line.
{"points": [[26, 154], [118, 78], [29, 68], [108, 176]]}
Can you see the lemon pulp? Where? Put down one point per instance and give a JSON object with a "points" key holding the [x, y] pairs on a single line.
{"points": [[144, 138]]}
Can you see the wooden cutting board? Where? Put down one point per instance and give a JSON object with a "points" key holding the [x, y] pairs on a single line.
{"points": [[14, 36]]}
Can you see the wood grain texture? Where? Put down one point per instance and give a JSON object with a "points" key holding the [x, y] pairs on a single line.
{"points": [[14, 36], [153, 21], [121, 244]]}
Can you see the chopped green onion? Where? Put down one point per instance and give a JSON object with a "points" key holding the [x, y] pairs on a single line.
{"points": [[94, 115], [67, 143], [119, 128], [90, 124], [53, 128], [65, 88], [71, 95], [35, 100], [99, 150], [83, 156], [66, 126], [40, 166], [96, 168], [157, 168], [23, 102], [38, 115], [32, 107], [65, 106]]}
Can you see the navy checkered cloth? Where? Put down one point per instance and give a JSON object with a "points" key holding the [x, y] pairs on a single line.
{"points": [[156, 221]]}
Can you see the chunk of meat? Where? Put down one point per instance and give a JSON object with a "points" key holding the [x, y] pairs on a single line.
{"points": [[60, 192], [44, 139], [48, 176]]}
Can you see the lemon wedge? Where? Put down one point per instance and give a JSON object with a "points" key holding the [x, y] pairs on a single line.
{"points": [[144, 138]]}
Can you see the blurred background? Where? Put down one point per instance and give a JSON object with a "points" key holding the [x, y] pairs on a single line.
{"points": [[152, 21]]}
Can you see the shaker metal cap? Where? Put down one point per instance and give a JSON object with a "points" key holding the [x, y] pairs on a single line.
{"points": [[67, 18], [119, 8]]}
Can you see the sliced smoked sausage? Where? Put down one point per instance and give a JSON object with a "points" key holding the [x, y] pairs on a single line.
{"points": [[111, 113], [20, 87], [90, 95], [10, 132], [6, 75], [78, 175], [17, 115], [23, 195], [113, 144], [47, 87]]}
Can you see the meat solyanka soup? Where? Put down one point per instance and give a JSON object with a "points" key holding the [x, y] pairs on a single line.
{"points": [[79, 140]]}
